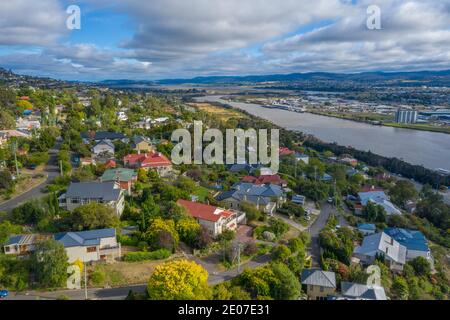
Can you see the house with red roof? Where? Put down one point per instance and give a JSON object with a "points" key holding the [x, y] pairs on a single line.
{"points": [[110, 164], [148, 161], [286, 151], [265, 179], [215, 219]]}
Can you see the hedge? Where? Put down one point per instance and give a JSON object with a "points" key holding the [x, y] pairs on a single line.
{"points": [[144, 256]]}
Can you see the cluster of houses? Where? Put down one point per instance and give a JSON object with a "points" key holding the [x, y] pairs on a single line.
{"points": [[395, 245]]}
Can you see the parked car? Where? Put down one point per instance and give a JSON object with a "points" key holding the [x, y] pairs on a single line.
{"points": [[330, 200], [4, 293]]}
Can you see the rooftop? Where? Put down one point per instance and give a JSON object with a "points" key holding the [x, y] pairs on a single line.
{"points": [[204, 211], [362, 291], [94, 190], [84, 238], [318, 277], [411, 239]]}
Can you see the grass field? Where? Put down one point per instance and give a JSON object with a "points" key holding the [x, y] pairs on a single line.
{"points": [[222, 113]]}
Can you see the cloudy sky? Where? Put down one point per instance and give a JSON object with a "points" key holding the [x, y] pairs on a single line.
{"points": [[156, 39]]}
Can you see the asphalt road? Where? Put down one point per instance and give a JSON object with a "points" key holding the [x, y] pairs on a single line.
{"points": [[93, 294], [51, 169], [317, 226]]}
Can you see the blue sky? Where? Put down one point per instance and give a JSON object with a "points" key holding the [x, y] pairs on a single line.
{"points": [[157, 39]]}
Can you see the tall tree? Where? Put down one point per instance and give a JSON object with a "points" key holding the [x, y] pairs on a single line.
{"points": [[50, 262], [179, 280]]}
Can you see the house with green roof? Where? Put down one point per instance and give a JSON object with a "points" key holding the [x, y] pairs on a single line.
{"points": [[123, 176]]}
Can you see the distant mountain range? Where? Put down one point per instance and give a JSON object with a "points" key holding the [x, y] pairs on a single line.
{"points": [[420, 76]]}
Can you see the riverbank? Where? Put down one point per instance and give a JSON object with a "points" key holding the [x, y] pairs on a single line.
{"points": [[381, 121], [394, 149], [417, 147]]}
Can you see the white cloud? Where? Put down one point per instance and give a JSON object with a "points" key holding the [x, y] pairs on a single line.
{"points": [[25, 22], [178, 38]]}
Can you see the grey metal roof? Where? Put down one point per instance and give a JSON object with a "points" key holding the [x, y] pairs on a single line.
{"points": [[362, 291], [382, 243], [94, 190], [107, 142], [318, 277], [84, 238], [101, 135]]}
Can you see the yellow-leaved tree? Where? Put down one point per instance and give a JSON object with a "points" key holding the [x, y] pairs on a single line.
{"points": [[179, 280]]}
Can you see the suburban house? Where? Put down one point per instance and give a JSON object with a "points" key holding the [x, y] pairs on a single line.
{"points": [[86, 246], [302, 157], [266, 197], [107, 193], [319, 284], [27, 124], [122, 116], [380, 198], [142, 144], [356, 291], [123, 176], [273, 179], [215, 219], [349, 160], [326, 178], [415, 242], [110, 164], [98, 136], [299, 199], [103, 147], [248, 168], [23, 244], [381, 245], [5, 135], [366, 228], [143, 123], [155, 160], [283, 151]]}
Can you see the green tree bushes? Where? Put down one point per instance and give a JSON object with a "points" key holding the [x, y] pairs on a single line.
{"points": [[49, 263], [93, 216], [179, 280]]}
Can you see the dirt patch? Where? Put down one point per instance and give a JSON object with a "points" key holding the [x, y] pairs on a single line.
{"points": [[221, 113], [127, 273], [244, 234]]}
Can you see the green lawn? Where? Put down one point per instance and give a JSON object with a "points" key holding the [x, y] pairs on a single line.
{"points": [[201, 193]]}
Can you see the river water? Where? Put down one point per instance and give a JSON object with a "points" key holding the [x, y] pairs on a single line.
{"points": [[429, 149]]}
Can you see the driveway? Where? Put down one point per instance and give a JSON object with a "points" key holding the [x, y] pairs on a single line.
{"points": [[51, 170]]}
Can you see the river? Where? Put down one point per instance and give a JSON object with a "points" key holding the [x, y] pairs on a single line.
{"points": [[429, 149]]}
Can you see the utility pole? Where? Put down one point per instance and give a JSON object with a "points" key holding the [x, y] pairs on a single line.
{"points": [[61, 168], [296, 162], [239, 258], [334, 195], [15, 158]]}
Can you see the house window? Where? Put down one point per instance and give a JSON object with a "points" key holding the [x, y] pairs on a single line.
{"points": [[7, 249], [321, 289], [91, 249]]}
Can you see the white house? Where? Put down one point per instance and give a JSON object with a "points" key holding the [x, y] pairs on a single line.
{"points": [[381, 245], [107, 193], [86, 246], [415, 242], [215, 219], [103, 147]]}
